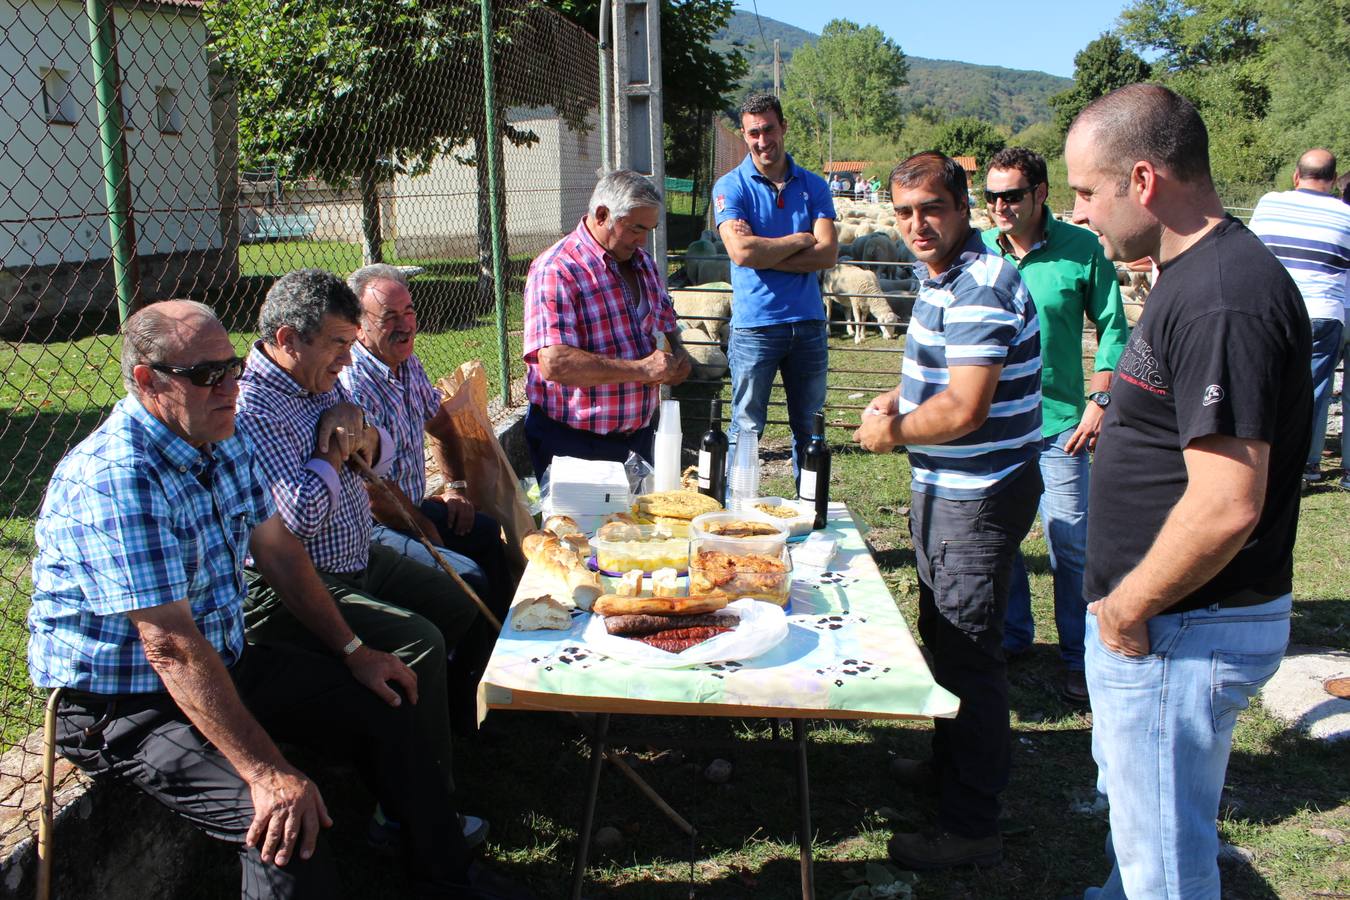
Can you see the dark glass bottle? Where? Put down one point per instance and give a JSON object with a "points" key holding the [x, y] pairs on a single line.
{"points": [[814, 486], [712, 457]]}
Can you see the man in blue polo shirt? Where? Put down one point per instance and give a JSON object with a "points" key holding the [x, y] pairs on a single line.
{"points": [[777, 221], [969, 410]]}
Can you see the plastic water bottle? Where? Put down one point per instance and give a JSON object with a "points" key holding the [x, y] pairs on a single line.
{"points": [[666, 465], [744, 477]]}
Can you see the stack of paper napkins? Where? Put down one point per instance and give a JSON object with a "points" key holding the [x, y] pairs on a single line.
{"points": [[588, 490]]}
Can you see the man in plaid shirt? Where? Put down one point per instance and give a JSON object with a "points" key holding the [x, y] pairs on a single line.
{"points": [[594, 303], [138, 615], [288, 397]]}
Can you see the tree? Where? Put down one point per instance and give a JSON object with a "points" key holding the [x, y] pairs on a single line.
{"points": [[361, 92], [969, 137], [846, 83], [696, 81], [1098, 69]]}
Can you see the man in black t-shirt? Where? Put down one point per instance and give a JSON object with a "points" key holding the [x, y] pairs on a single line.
{"points": [[1195, 491]]}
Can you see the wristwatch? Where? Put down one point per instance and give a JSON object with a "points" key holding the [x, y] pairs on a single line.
{"points": [[352, 646], [1101, 398], [456, 485]]}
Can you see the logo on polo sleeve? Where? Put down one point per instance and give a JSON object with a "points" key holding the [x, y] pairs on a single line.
{"points": [[721, 202], [1213, 394]]}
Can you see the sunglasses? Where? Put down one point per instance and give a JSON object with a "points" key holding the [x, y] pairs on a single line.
{"points": [[1010, 197], [206, 374]]}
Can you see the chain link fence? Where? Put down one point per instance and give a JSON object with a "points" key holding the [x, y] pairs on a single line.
{"points": [[256, 138]]}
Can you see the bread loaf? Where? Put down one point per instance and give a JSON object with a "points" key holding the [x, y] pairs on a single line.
{"points": [[557, 561], [538, 613], [614, 605], [561, 525]]}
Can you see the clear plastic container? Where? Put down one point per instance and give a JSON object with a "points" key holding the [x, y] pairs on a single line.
{"points": [[798, 516], [720, 528], [656, 549], [739, 572]]}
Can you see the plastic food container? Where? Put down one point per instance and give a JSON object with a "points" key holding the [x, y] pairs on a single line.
{"points": [[800, 522], [656, 549], [706, 528], [739, 572]]}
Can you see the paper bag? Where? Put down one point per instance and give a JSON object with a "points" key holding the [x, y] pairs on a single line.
{"points": [[493, 487]]}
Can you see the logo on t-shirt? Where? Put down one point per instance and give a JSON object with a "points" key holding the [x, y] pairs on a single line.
{"points": [[1139, 366], [1213, 394], [721, 202]]}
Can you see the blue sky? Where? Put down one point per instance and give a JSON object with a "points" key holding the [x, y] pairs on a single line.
{"points": [[1033, 34]]}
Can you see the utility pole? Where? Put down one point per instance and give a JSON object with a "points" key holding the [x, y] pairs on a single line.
{"points": [[777, 68]]}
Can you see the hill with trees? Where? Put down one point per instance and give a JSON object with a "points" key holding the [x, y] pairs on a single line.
{"points": [[1013, 98]]}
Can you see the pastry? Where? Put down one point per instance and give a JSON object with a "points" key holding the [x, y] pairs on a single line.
{"points": [[673, 505], [614, 605]]}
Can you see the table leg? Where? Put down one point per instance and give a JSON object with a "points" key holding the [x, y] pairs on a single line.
{"points": [[592, 792], [804, 795]]}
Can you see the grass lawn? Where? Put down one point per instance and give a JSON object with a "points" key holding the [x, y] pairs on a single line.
{"points": [[1286, 801]]}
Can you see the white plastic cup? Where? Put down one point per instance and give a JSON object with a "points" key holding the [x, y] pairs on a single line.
{"points": [[666, 450]]}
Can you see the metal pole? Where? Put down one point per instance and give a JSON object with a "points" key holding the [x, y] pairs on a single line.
{"points": [[488, 156], [606, 93], [116, 184]]}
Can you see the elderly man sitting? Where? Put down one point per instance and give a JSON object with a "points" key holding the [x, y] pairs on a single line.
{"points": [[387, 380], [138, 614]]}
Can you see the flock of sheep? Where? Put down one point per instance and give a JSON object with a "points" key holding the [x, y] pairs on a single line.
{"points": [[874, 279]]}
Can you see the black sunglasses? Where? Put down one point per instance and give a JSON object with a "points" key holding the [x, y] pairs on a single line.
{"points": [[206, 374], [1013, 196]]}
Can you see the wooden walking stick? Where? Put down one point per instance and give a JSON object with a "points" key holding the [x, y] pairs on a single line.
{"points": [[369, 475], [44, 843]]}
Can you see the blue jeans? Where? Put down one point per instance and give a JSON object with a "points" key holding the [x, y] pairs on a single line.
{"points": [[1162, 728], [1063, 511], [800, 351], [412, 548], [1326, 352]]}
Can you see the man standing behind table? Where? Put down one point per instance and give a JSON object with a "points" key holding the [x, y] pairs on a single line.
{"points": [[387, 380], [138, 614], [1069, 277], [1195, 497], [594, 303], [777, 222], [969, 410], [1308, 230]]}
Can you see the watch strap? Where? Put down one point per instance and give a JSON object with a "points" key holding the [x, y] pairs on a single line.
{"points": [[352, 646]]}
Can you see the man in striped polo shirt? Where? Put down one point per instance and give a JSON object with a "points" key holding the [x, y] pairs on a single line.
{"points": [[1308, 230], [968, 409]]}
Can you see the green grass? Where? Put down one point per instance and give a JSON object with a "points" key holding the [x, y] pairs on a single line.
{"points": [[1281, 787]]}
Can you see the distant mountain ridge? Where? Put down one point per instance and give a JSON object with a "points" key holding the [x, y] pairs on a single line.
{"points": [[1012, 97]]}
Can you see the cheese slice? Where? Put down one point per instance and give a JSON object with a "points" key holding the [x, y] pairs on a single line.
{"points": [[665, 583], [630, 584]]}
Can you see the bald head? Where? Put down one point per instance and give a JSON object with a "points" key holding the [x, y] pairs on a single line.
{"points": [[161, 331], [1316, 170], [1149, 123]]}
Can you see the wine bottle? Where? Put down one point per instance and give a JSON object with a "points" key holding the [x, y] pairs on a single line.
{"points": [[814, 486], [712, 457]]}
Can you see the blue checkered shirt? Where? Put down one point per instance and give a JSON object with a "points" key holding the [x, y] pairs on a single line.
{"points": [[327, 510], [401, 403], [135, 517]]}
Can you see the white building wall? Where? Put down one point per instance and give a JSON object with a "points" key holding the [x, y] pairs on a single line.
{"points": [[547, 186], [52, 205]]}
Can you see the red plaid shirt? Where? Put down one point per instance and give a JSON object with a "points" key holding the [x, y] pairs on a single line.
{"points": [[574, 295]]}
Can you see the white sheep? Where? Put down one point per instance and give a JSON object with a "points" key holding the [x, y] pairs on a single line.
{"points": [[709, 359], [712, 299], [863, 293]]}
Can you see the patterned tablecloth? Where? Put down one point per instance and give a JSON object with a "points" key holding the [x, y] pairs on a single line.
{"points": [[848, 655]]}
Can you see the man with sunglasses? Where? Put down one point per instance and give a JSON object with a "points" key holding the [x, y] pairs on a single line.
{"points": [[1069, 278], [138, 615]]}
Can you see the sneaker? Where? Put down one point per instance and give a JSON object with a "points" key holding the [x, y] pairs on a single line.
{"points": [[1312, 474], [914, 773], [1074, 688], [382, 832], [944, 850]]}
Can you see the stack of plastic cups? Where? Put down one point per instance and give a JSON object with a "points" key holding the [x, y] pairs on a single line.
{"points": [[666, 464], [743, 479]]}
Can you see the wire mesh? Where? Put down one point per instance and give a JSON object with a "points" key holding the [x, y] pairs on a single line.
{"points": [[261, 137]]}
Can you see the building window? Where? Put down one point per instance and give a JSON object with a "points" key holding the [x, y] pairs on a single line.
{"points": [[128, 106], [58, 106], [168, 118]]}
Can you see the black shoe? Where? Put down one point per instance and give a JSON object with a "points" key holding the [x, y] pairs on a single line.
{"points": [[1074, 688], [1312, 474], [944, 850], [383, 834]]}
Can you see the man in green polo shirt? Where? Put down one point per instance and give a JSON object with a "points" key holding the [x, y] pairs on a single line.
{"points": [[1069, 277]]}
